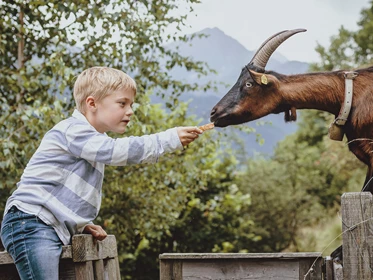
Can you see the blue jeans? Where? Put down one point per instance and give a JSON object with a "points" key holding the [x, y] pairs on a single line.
{"points": [[33, 245]]}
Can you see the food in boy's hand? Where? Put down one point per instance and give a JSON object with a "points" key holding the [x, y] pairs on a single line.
{"points": [[207, 127]]}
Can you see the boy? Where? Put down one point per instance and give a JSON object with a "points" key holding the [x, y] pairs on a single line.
{"points": [[59, 193]]}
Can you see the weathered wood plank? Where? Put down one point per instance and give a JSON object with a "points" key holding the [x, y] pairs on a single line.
{"points": [[86, 248], [67, 270], [328, 268], [310, 269], [117, 267], [99, 269], [84, 270], [5, 258], [171, 270], [66, 252], [111, 271], [177, 270], [186, 256], [357, 240], [165, 272], [241, 269], [337, 271]]}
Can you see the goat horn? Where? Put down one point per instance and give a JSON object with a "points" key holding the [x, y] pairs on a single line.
{"points": [[265, 51]]}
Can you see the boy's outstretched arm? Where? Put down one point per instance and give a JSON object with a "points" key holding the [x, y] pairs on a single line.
{"points": [[188, 134]]}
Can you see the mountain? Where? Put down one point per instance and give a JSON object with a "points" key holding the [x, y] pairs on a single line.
{"points": [[227, 56]]}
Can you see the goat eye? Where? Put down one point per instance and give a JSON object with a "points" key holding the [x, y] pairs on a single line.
{"points": [[248, 84]]}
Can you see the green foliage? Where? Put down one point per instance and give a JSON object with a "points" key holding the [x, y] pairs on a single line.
{"points": [[313, 126], [340, 53], [281, 201], [44, 45], [363, 38], [299, 186]]}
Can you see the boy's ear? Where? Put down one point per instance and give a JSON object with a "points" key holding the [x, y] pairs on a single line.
{"points": [[90, 103], [262, 78]]}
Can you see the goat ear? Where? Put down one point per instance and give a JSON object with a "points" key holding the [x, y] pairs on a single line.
{"points": [[261, 78]]}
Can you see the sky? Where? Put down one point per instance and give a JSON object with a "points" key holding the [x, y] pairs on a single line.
{"points": [[252, 21]]}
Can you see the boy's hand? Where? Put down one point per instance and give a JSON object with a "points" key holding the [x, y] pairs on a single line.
{"points": [[188, 134], [96, 231]]}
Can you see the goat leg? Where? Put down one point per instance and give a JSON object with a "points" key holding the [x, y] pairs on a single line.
{"points": [[287, 116]]}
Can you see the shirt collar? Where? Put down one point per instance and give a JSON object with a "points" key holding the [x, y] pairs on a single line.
{"points": [[78, 115]]}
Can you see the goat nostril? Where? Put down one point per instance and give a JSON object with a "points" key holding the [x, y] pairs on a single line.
{"points": [[213, 111]]}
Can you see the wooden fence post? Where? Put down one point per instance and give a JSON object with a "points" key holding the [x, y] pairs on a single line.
{"points": [[95, 259], [357, 230]]}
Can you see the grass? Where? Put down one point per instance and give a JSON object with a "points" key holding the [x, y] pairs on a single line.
{"points": [[323, 237]]}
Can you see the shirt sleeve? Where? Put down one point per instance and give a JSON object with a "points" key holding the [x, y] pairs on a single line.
{"points": [[81, 229], [85, 142]]}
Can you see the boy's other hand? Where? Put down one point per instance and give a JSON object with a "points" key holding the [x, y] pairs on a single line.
{"points": [[188, 134], [96, 231]]}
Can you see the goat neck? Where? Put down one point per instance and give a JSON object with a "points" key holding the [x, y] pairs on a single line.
{"points": [[322, 91]]}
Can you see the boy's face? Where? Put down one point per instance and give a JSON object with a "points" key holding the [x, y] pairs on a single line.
{"points": [[113, 112]]}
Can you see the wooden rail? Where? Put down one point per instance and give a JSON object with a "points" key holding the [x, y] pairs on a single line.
{"points": [[241, 266], [85, 259]]}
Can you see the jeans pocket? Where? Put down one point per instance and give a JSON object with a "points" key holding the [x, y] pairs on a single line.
{"points": [[3, 226], [7, 236]]}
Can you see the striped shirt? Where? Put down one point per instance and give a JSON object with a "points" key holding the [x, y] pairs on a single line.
{"points": [[62, 182]]}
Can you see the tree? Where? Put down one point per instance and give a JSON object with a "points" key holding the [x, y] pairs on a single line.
{"points": [[298, 187], [339, 55], [281, 199], [348, 49], [44, 45]]}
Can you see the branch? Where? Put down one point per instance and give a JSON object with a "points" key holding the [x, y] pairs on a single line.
{"points": [[21, 48]]}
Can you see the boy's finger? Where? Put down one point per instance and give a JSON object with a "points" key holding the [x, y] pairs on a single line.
{"points": [[192, 135], [194, 129]]}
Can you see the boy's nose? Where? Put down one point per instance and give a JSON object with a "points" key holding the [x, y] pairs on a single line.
{"points": [[130, 112]]}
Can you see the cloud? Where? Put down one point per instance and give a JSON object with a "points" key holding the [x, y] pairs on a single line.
{"points": [[251, 22]]}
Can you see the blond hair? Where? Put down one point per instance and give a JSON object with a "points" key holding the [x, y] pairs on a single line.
{"points": [[99, 82]]}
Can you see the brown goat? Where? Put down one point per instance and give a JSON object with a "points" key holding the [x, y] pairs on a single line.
{"points": [[253, 97], [258, 93]]}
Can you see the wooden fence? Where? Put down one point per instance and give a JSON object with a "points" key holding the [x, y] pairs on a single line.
{"points": [[357, 228], [85, 259], [94, 260]]}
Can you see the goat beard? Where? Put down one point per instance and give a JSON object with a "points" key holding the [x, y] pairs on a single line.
{"points": [[291, 115]]}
